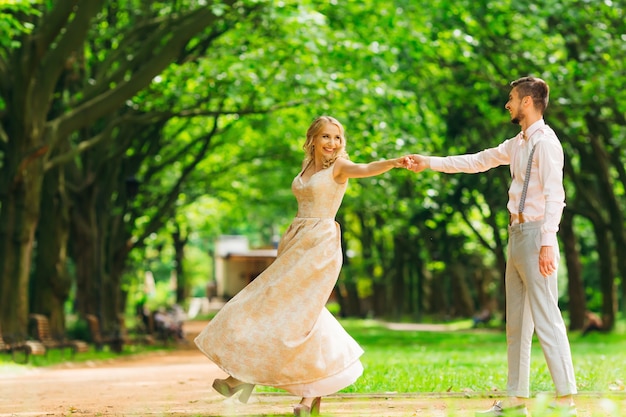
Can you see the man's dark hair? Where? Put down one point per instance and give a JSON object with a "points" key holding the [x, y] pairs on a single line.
{"points": [[534, 87]]}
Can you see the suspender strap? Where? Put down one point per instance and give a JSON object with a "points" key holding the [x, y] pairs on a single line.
{"points": [[522, 200]]}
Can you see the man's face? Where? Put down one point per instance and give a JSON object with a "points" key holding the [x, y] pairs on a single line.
{"points": [[514, 106]]}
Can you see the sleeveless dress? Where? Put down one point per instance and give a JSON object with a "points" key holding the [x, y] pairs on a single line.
{"points": [[277, 330]]}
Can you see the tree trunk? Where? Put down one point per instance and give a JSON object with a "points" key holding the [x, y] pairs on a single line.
{"points": [[607, 273], [438, 301], [110, 304], [605, 178], [338, 293], [400, 295], [118, 241], [182, 286], [19, 214], [351, 296], [575, 286], [461, 298], [346, 290], [83, 245], [113, 250], [50, 281], [419, 271], [498, 300]]}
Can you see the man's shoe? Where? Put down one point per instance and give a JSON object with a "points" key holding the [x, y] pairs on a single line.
{"points": [[564, 410], [498, 410]]}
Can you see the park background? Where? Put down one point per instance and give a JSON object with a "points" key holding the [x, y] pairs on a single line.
{"points": [[134, 133]]}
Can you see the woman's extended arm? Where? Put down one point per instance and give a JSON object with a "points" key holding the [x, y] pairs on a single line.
{"points": [[345, 168]]}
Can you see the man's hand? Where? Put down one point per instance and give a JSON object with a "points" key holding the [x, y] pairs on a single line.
{"points": [[419, 163], [547, 261]]}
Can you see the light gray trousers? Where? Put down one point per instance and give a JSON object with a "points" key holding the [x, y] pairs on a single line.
{"points": [[532, 305]]}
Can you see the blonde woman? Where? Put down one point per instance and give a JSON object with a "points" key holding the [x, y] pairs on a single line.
{"points": [[277, 331]]}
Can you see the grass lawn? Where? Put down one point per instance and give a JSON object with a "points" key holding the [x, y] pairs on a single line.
{"points": [[472, 362], [475, 361]]}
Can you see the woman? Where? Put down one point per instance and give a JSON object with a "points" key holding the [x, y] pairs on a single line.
{"points": [[277, 331]]}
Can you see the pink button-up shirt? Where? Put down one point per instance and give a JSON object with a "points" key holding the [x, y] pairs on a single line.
{"points": [[545, 197]]}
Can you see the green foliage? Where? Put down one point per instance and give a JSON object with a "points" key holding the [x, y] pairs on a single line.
{"points": [[14, 21], [215, 135]]}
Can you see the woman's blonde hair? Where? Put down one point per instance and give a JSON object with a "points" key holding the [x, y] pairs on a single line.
{"points": [[313, 131]]}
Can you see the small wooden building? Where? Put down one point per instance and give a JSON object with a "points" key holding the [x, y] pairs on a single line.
{"points": [[236, 265]]}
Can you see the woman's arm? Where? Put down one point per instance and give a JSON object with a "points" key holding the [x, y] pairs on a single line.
{"points": [[345, 168]]}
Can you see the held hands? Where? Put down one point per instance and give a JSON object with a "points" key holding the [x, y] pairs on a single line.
{"points": [[415, 163], [418, 163], [402, 162], [547, 261]]}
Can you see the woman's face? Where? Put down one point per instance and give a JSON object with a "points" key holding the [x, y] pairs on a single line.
{"points": [[328, 141]]}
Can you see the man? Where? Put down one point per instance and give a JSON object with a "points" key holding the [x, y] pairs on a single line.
{"points": [[536, 201]]}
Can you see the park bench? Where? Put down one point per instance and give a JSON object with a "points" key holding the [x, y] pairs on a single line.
{"points": [[143, 339], [29, 347], [166, 326], [151, 329], [114, 341], [41, 331], [482, 318]]}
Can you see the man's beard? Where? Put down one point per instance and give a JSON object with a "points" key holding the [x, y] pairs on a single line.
{"points": [[519, 116]]}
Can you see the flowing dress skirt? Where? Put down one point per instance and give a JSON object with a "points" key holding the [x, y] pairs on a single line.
{"points": [[277, 330]]}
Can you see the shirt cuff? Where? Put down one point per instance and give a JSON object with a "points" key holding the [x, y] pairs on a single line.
{"points": [[549, 239], [436, 163]]}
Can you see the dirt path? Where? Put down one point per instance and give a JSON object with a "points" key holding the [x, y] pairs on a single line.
{"points": [[179, 384]]}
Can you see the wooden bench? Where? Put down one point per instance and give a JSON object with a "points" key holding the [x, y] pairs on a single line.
{"points": [[143, 339], [114, 341], [29, 347], [43, 336], [164, 328]]}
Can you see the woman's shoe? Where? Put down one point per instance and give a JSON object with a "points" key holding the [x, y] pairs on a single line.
{"points": [[221, 386], [301, 410]]}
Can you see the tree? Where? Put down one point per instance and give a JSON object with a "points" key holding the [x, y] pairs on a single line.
{"points": [[30, 72]]}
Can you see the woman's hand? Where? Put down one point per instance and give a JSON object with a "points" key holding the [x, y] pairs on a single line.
{"points": [[402, 162]]}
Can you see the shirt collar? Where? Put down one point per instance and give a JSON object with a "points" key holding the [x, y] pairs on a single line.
{"points": [[533, 128]]}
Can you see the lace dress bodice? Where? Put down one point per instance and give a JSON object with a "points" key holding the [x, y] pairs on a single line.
{"points": [[320, 196]]}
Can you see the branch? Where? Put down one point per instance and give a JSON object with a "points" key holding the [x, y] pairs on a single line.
{"points": [[156, 220], [471, 226], [52, 24], [138, 36], [89, 112], [193, 112], [77, 150], [3, 134], [24, 163], [54, 60], [93, 141]]}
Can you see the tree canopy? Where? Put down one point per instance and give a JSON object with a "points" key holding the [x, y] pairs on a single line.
{"points": [[131, 126]]}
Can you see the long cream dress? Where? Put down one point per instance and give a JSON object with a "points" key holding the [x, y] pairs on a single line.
{"points": [[277, 330]]}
